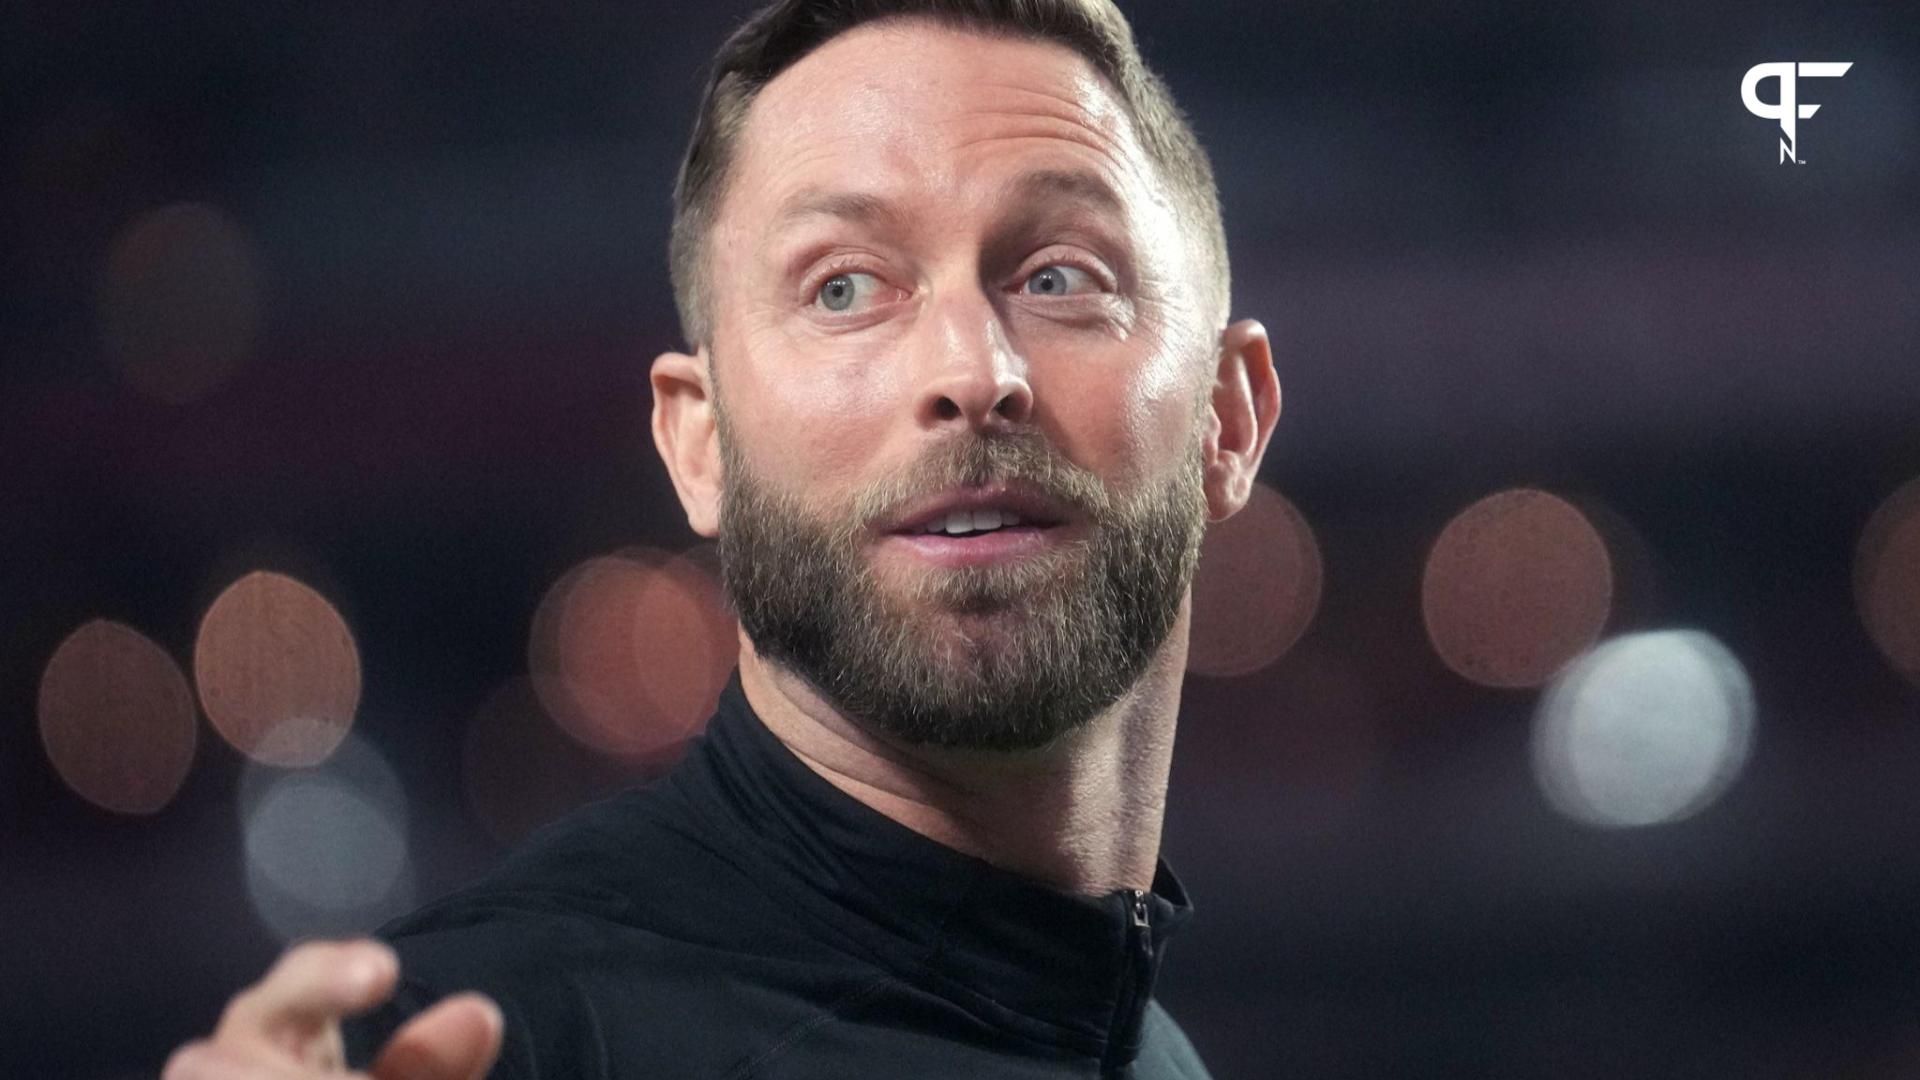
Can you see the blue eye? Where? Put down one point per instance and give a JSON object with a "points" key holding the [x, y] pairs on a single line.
{"points": [[839, 292], [1058, 279]]}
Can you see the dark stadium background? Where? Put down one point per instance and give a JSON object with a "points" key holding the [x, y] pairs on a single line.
{"points": [[411, 259]]}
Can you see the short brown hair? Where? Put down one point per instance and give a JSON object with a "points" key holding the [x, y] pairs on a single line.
{"points": [[782, 33]]}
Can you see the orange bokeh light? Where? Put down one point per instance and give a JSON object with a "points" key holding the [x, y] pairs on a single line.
{"points": [[278, 671], [1257, 587], [116, 718], [1886, 579], [629, 652], [1517, 585]]}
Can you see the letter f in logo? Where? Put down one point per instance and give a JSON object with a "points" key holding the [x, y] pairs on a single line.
{"points": [[1789, 111]]}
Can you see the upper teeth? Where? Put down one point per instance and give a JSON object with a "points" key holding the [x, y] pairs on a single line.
{"points": [[966, 521]]}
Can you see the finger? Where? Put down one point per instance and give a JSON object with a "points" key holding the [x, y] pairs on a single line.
{"points": [[211, 1061], [312, 985], [458, 1039]]}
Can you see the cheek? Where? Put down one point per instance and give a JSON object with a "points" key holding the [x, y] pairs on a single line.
{"points": [[1166, 391], [808, 413], [1131, 422], [819, 416]]}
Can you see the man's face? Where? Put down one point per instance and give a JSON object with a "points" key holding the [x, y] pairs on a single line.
{"points": [[948, 289]]}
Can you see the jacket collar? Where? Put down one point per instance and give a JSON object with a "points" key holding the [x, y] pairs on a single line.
{"points": [[1051, 964]]}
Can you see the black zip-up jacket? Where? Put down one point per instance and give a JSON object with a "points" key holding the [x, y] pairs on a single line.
{"points": [[743, 918]]}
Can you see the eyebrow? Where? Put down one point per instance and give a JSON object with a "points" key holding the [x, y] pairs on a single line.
{"points": [[811, 202], [1074, 184], [867, 207]]}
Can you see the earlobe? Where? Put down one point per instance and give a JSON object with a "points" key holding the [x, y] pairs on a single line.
{"points": [[684, 431], [1246, 406]]}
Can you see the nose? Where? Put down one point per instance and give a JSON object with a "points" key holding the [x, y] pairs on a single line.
{"points": [[973, 375]]}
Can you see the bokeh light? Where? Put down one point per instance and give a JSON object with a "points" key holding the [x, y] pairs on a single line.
{"points": [[278, 670], [117, 718], [688, 594], [1886, 579], [326, 848], [520, 771], [1516, 585], [180, 301], [1646, 728], [629, 652], [1257, 587]]}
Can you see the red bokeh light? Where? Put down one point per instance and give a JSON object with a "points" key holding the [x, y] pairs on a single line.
{"points": [[629, 652], [1257, 587], [116, 718], [1517, 585], [278, 671], [1886, 579]]}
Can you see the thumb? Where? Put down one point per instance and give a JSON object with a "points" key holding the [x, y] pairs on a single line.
{"points": [[457, 1039]]}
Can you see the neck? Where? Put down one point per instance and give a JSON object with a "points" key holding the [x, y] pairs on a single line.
{"points": [[1083, 815]]}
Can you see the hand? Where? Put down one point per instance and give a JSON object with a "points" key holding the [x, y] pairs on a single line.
{"points": [[287, 1025]]}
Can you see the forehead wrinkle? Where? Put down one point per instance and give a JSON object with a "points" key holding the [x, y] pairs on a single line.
{"points": [[1039, 127], [797, 147], [1088, 104], [1110, 157], [982, 126], [823, 196], [1102, 122], [1085, 95]]}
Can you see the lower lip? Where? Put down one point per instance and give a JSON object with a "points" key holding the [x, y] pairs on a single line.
{"points": [[1000, 545]]}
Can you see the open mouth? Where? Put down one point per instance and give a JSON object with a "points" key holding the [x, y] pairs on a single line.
{"points": [[977, 526], [972, 523], [965, 538]]}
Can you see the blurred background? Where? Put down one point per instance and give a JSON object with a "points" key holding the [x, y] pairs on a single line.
{"points": [[1555, 707]]}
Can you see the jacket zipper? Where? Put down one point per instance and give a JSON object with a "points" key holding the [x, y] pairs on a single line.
{"points": [[1133, 978]]}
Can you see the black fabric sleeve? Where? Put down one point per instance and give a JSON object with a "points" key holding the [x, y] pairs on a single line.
{"points": [[366, 1034]]}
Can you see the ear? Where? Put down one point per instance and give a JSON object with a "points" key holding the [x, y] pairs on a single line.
{"points": [[685, 431], [1246, 405]]}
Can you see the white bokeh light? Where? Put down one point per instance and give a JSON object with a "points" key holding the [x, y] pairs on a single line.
{"points": [[1644, 729], [326, 848]]}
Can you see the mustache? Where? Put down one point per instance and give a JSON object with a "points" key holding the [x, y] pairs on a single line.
{"points": [[971, 461]]}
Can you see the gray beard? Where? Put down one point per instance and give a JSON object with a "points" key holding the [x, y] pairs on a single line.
{"points": [[1002, 657]]}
